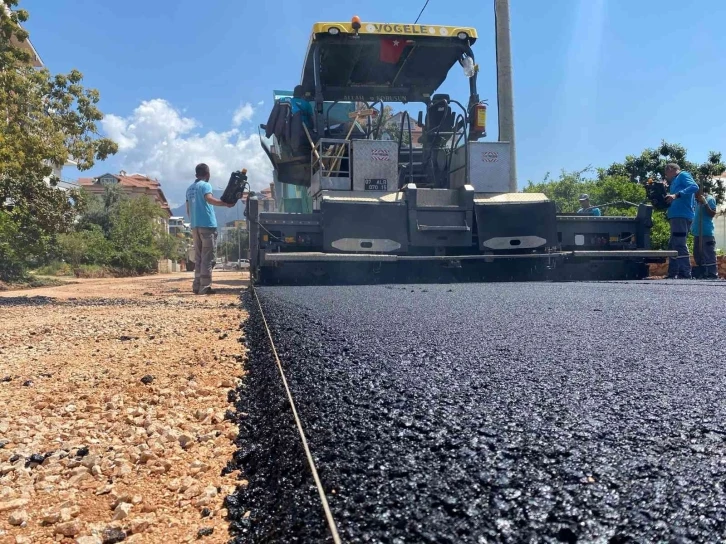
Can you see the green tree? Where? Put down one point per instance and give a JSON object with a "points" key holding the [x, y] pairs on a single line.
{"points": [[100, 209], [11, 262], [44, 120], [88, 246], [135, 231]]}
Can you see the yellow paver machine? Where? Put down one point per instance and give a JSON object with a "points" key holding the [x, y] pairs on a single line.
{"points": [[419, 195]]}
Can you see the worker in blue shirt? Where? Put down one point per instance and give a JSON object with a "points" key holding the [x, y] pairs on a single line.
{"points": [[585, 208], [299, 103], [704, 243], [200, 200], [681, 211]]}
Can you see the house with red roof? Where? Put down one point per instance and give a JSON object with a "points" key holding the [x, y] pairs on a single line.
{"points": [[132, 185]]}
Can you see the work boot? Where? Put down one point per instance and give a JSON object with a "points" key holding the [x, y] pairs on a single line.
{"points": [[207, 291]]}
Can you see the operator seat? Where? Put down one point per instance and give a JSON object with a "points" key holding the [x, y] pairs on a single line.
{"points": [[438, 129], [439, 117]]}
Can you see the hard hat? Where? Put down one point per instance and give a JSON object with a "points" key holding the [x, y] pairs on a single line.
{"points": [[584, 197]]}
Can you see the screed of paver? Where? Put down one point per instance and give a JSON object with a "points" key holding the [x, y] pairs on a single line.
{"points": [[113, 396]]}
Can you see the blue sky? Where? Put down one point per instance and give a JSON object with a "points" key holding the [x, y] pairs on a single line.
{"points": [[594, 80]]}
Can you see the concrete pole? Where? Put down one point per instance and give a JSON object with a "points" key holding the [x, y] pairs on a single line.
{"points": [[505, 92]]}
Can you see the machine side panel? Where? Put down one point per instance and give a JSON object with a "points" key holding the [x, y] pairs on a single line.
{"points": [[364, 227], [516, 226], [609, 232]]}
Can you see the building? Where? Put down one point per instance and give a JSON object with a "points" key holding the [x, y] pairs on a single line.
{"points": [[231, 226], [237, 224], [177, 227], [133, 185], [267, 199]]}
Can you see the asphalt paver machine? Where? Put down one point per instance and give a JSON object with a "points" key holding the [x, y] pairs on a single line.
{"points": [[409, 199]]}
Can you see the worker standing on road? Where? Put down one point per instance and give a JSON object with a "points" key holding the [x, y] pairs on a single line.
{"points": [[680, 214], [704, 243], [204, 228], [586, 209]]}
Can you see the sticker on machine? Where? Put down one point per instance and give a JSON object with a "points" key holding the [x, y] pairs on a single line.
{"points": [[490, 156], [375, 184], [380, 155]]}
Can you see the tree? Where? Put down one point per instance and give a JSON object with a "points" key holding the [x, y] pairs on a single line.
{"points": [[650, 164], [135, 231], [99, 210], [44, 121]]}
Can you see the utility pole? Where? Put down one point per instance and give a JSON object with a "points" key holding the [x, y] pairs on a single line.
{"points": [[505, 92], [239, 234]]}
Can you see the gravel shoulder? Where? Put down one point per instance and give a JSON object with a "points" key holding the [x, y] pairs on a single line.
{"points": [[113, 423]]}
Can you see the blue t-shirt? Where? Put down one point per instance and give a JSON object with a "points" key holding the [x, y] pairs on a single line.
{"points": [[591, 211], [708, 229], [683, 206], [202, 211], [301, 105]]}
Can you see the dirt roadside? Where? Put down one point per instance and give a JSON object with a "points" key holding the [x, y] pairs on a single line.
{"points": [[113, 395]]}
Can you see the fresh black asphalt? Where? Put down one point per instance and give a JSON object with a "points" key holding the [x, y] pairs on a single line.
{"points": [[516, 412]]}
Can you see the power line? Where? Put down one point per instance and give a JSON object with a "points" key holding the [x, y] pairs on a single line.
{"points": [[422, 10]]}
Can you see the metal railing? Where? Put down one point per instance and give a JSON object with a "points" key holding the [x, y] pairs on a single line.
{"points": [[330, 155]]}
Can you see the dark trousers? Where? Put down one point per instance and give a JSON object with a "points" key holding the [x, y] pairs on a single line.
{"points": [[704, 253], [679, 266]]}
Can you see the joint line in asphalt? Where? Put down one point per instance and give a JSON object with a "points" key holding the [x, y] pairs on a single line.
{"points": [[326, 508]]}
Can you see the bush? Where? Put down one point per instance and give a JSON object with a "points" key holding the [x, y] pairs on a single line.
{"points": [[55, 268], [661, 232], [11, 264], [93, 271], [85, 247], [140, 260]]}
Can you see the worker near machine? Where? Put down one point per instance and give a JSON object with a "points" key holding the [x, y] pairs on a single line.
{"points": [[704, 243], [200, 202], [586, 209], [299, 104], [681, 204]]}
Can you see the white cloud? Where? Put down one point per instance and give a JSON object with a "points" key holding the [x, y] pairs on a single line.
{"points": [[243, 113], [158, 141]]}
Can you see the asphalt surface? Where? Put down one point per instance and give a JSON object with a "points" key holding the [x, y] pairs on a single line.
{"points": [[533, 412]]}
